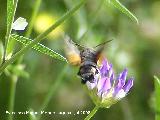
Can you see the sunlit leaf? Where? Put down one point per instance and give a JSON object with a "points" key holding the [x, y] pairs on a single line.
{"points": [[19, 24], [39, 47], [157, 97], [11, 8], [123, 9], [10, 13]]}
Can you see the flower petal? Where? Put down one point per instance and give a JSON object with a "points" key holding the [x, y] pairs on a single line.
{"points": [[124, 74], [104, 68], [112, 79], [103, 85], [122, 78], [19, 24], [128, 85], [116, 90], [121, 93]]}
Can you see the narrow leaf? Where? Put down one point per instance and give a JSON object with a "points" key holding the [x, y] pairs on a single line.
{"points": [[39, 47], [1, 52], [10, 14], [10, 48], [11, 9], [157, 97], [123, 9], [33, 17]]}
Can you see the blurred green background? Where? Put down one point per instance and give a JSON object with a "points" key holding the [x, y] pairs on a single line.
{"points": [[136, 47]]}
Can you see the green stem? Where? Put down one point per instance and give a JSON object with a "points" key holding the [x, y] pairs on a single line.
{"points": [[30, 26], [43, 35], [34, 15], [61, 20], [92, 21], [93, 112], [52, 90], [12, 96], [10, 3]]}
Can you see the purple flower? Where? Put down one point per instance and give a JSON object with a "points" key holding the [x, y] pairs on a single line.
{"points": [[108, 88]]}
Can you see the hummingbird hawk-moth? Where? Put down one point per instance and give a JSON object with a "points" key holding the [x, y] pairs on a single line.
{"points": [[86, 58]]}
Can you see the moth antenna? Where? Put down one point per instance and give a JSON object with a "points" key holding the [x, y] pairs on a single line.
{"points": [[100, 48], [103, 43]]}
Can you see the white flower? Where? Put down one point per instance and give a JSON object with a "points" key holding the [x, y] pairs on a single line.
{"points": [[19, 24]]}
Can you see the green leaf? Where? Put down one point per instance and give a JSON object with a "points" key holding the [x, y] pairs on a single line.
{"points": [[123, 9], [10, 48], [10, 14], [157, 97], [17, 70], [33, 17], [39, 47], [1, 52], [11, 9]]}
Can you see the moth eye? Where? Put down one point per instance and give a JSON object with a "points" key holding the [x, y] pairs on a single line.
{"points": [[90, 77]]}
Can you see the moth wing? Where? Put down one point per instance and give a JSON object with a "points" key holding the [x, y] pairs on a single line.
{"points": [[100, 59], [72, 52], [99, 51]]}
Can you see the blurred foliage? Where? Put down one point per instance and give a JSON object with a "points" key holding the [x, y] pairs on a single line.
{"points": [[136, 47], [157, 97]]}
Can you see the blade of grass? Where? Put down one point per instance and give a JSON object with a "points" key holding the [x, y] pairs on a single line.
{"points": [[15, 78], [43, 35], [61, 20], [11, 9], [34, 14], [30, 26], [157, 97], [80, 18], [12, 96], [123, 9], [52, 90], [92, 21]]}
